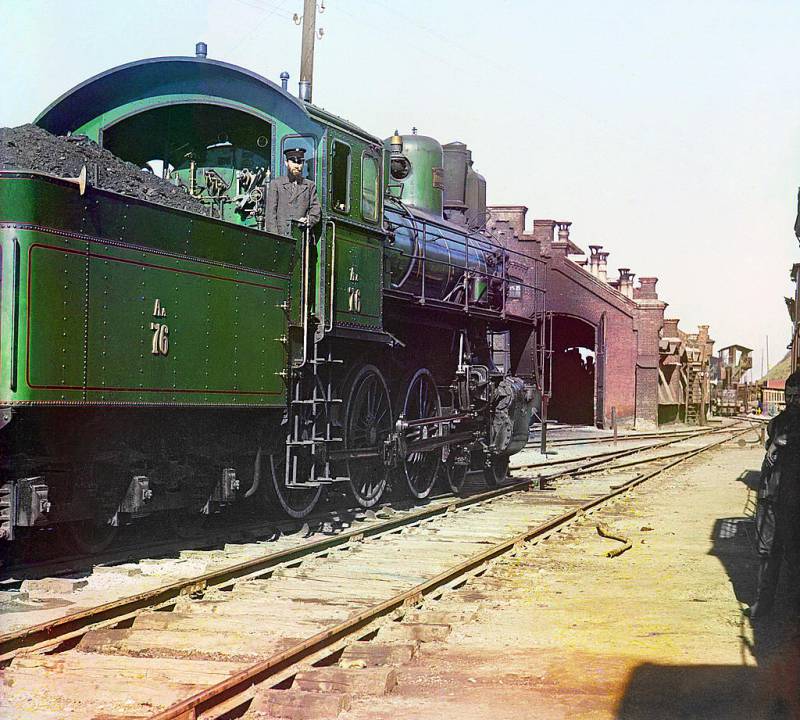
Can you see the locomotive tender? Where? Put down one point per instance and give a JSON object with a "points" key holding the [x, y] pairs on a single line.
{"points": [[156, 360]]}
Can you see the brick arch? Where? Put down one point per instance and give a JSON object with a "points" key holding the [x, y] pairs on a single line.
{"points": [[574, 374]]}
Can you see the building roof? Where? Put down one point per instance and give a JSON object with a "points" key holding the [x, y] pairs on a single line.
{"points": [[780, 371], [737, 347]]}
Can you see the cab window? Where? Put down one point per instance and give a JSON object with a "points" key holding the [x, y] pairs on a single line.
{"points": [[369, 187], [340, 176]]}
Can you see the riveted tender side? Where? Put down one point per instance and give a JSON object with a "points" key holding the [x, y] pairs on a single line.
{"points": [[126, 328]]}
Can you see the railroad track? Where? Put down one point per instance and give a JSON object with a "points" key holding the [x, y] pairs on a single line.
{"points": [[112, 575], [346, 603], [666, 440], [556, 441], [226, 531]]}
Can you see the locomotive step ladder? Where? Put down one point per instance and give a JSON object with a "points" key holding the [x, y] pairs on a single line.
{"points": [[311, 430]]}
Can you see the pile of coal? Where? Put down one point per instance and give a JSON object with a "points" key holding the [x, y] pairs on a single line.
{"points": [[28, 147]]}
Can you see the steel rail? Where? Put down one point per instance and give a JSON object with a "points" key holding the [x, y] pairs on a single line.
{"points": [[68, 627], [625, 437], [629, 463], [604, 457], [242, 682]]}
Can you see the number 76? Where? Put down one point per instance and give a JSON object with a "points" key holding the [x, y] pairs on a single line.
{"points": [[160, 338]]}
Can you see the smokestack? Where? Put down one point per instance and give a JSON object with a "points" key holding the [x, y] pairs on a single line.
{"points": [[625, 282], [563, 231], [594, 259], [646, 289], [602, 266], [307, 52], [543, 234], [629, 291], [670, 328], [201, 50]]}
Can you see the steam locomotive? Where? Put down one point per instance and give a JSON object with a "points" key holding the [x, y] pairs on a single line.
{"points": [[154, 360]]}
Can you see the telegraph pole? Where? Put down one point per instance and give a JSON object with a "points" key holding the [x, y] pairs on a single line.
{"points": [[307, 52]]}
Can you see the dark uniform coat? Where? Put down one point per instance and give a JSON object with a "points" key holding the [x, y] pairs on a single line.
{"points": [[287, 201], [778, 516]]}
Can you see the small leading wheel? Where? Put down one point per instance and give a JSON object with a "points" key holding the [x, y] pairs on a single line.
{"points": [[496, 471], [91, 536], [296, 502], [368, 422], [307, 423], [421, 400]]}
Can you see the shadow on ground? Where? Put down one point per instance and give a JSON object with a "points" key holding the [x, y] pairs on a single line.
{"points": [[770, 689]]}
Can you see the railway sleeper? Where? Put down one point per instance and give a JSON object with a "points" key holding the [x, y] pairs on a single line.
{"points": [[297, 704]]}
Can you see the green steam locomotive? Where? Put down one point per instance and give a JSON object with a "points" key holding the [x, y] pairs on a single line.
{"points": [[154, 360]]}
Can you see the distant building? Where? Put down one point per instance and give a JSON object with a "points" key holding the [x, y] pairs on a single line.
{"points": [[685, 371], [731, 394], [772, 398]]}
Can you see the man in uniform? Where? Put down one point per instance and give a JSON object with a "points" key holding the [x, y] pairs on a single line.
{"points": [[292, 197], [778, 513]]}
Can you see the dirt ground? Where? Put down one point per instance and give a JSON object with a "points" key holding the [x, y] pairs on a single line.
{"points": [[562, 631]]}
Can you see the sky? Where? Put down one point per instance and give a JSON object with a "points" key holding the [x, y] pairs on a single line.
{"points": [[668, 132]]}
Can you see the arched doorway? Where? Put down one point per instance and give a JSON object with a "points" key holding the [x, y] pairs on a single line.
{"points": [[574, 358]]}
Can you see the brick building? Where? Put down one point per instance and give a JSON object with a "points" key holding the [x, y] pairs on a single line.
{"points": [[604, 355]]}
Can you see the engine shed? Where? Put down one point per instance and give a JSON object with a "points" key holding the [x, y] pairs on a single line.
{"points": [[603, 333]]}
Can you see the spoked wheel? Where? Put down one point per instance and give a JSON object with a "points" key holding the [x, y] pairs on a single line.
{"points": [[368, 422], [310, 422], [421, 400], [455, 473], [497, 471], [91, 536]]}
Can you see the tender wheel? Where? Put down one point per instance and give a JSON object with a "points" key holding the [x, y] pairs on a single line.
{"points": [[421, 400], [310, 422], [496, 472], [91, 536], [368, 422], [454, 473]]}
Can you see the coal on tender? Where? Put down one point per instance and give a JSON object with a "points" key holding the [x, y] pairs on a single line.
{"points": [[29, 147]]}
